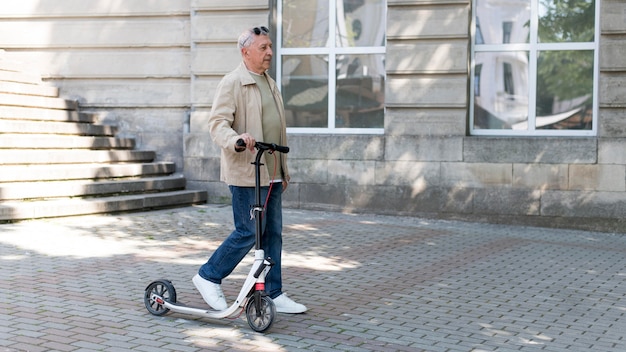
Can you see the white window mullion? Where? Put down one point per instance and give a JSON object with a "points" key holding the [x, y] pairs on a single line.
{"points": [[332, 62], [596, 68], [332, 88], [532, 66], [278, 45]]}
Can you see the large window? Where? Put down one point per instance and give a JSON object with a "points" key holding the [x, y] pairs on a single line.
{"points": [[534, 67], [331, 64]]}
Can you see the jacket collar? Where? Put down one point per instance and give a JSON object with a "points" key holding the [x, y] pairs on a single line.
{"points": [[244, 75]]}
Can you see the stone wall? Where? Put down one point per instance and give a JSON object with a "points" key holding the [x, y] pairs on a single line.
{"points": [[152, 67], [426, 165], [128, 59]]}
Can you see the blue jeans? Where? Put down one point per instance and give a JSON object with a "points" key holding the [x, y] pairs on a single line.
{"points": [[239, 243]]}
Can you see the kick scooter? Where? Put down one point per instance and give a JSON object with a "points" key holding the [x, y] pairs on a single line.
{"points": [[160, 295]]}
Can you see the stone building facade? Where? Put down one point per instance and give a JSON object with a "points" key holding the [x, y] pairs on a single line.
{"points": [[152, 68]]}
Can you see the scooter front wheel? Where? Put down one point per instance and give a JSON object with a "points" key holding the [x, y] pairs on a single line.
{"points": [[260, 318], [163, 289]]}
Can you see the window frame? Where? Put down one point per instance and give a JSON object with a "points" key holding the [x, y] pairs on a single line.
{"points": [[332, 53], [533, 47]]}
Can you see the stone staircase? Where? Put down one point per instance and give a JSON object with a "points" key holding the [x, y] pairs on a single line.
{"points": [[57, 161]]}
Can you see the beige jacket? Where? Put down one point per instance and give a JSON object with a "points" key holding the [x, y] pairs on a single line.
{"points": [[237, 109]]}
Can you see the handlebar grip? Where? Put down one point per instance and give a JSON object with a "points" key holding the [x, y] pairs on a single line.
{"points": [[281, 148], [271, 147], [240, 143]]}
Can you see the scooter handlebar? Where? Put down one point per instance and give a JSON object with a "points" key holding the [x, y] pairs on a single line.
{"points": [[264, 146]]}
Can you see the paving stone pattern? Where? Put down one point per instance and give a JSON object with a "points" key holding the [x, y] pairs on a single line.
{"points": [[372, 283]]}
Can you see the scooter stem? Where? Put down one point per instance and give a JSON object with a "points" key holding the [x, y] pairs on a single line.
{"points": [[258, 206]]}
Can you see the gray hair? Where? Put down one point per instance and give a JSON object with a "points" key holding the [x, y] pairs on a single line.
{"points": [[245, 39]]}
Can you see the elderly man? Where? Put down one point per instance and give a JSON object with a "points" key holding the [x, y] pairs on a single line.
{"points": [[248, 106]]}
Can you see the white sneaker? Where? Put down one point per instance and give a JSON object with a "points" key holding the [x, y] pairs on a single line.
{"points": [[212, 293], [284, 304]]}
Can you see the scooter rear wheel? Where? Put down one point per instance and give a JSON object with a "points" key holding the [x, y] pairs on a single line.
{"points": [[163, 289], [260, 319]]}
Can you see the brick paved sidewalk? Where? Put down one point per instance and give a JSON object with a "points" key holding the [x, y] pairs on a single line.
{"points": [[372, 283]]}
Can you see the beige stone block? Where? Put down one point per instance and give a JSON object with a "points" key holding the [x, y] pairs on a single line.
{"points": [[553, 150], [199, 121], [202, 169], [418, 175], [612, 123], [611, 151], [597, 177], [140, 63], [584, 204], [613, 53], [215, 59], [351, 172], [203, 90], [613, 16], [82, 8], [308, 170], [110, 64], [89, 33], [428, 21], [458, 200], [540, 176], [421, 148], [427, 91], [216, 27], [229, 4], [134, 93], [336, 147], [612, 89], [425, 122], [506, 201], [200, 145], [478, 175], [426, 57]]}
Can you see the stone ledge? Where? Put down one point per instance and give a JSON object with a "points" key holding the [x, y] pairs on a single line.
{"points": [[11, 211]]}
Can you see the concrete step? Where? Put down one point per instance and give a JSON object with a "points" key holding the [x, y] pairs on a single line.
{"points": [[55, 161], [7, 63], [17, 210], [29, 173], [46, 141], [11, 74], [37, 102], [40, 114], [29, 89], [86, 188], [63, 128], [52, 156]]}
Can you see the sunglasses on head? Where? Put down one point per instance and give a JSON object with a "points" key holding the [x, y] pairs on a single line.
{"points": [[259, 30]]}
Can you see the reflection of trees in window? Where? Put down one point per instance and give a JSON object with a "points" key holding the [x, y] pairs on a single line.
{"points": [[549, 87], [565, 76], [567, 21]]}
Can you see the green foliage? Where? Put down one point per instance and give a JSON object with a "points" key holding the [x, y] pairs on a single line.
{"points": [[565, 74], [567, 21]]}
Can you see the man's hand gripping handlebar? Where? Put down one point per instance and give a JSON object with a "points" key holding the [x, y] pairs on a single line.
{"points": [[271, 147]]}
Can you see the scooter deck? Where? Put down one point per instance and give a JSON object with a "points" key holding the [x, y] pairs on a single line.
{"points": [[207, 312]]}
